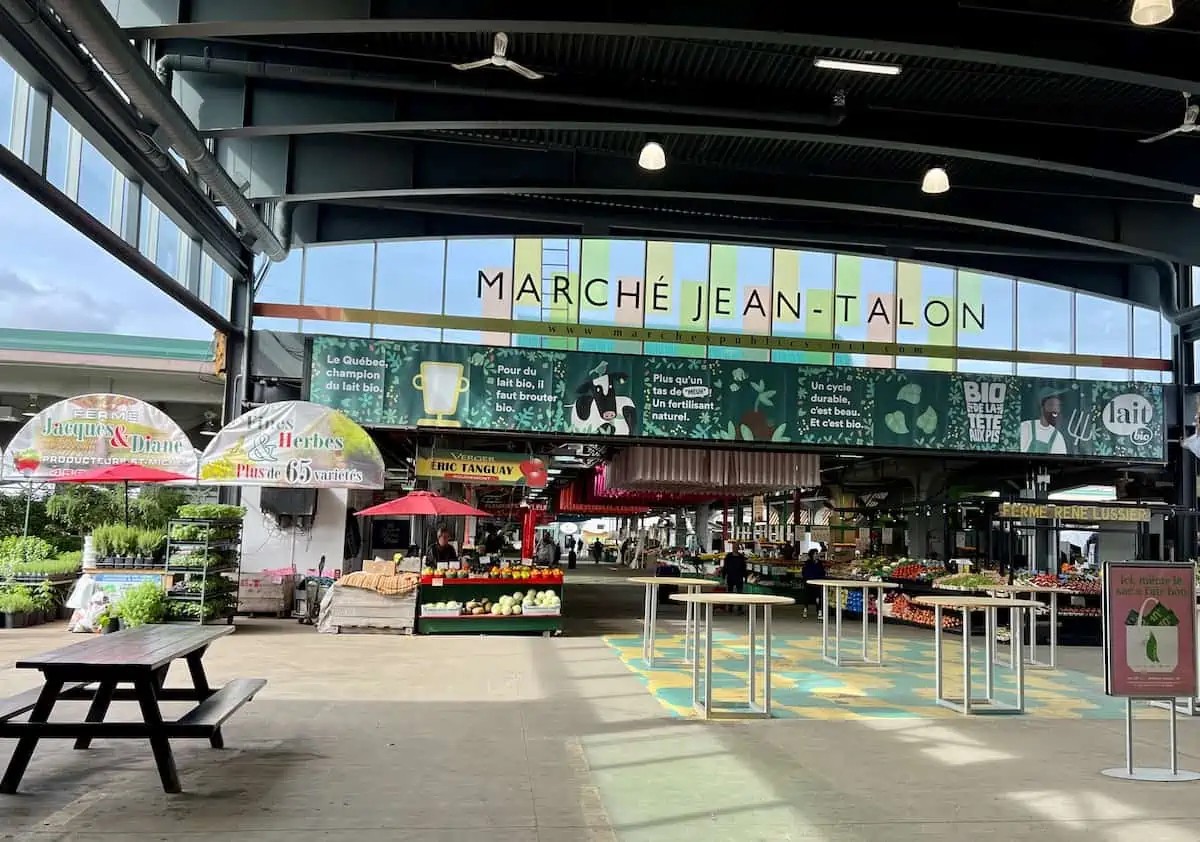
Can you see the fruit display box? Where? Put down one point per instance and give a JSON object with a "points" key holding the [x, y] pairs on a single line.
{"points": [[484, 594]]}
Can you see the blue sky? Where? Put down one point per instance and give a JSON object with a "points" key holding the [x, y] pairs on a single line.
{"points": [[54, 278]]}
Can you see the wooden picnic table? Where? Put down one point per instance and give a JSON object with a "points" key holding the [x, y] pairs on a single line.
{"points": [[93, 669]]}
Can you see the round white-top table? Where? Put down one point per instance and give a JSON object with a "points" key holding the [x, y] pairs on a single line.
{"points": [[837, 586], [988, 703], [702, 693], [691, 625], [1030, 653]]}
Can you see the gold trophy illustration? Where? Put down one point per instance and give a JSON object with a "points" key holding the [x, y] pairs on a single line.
{"points": [[440, 384]]}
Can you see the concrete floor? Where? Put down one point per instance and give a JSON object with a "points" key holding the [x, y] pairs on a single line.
{"points": [[555, 740]]}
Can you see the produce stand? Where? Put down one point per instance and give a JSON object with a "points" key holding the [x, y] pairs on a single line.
{"points": [[201, 555], [482, 593]]}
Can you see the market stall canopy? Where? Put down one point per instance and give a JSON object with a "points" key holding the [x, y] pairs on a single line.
{"points": [[423, 503], [96, 431], [127, 472], [293, 444]]}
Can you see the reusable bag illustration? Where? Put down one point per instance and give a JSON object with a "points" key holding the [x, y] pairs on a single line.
{"points": [[1152, 638]]}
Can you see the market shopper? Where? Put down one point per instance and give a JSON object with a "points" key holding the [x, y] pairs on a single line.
{"points": [[597, 551], [734, 571], [547, 552], [814, 570], [443, 550]]}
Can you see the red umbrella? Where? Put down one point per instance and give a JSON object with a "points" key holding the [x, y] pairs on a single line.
{"points": [[423, 503], [126, 473]]}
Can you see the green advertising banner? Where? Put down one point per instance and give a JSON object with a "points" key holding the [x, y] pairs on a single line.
{"points": [[421, 384]]}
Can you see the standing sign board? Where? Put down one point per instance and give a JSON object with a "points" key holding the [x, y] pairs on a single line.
{"points": [[1150, 630]]}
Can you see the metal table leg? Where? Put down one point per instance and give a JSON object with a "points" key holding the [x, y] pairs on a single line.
{"points": [[647, 629], [767, 660], [1020, 706], [825, 623], [966, 659], [708, 647], [878, 624], [751, 666], [937, 654], [866, 622]]}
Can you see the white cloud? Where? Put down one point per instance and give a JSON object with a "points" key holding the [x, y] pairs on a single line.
{"points": [[52, 277], [24, 304]]}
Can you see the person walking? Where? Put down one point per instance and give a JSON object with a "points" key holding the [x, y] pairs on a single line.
{"points": [[734, 572], [597, 551], [814, 570]]}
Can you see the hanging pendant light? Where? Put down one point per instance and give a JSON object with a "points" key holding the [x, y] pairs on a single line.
{"points": [[935, 181], [652, 156], [1151, 12]]}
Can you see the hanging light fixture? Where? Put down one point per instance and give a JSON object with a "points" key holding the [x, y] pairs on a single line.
{"points": [[935, 181], [1196, 200], [652, 156], [1151, 12]]}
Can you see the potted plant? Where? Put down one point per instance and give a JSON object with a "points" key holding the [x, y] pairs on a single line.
{"points": [[16, 606], [142, 604], [45, 599], [109, 620], [102, 543], [149, 543]]}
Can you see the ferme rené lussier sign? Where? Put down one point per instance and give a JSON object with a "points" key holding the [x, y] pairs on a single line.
{"points": [[718, 299]]}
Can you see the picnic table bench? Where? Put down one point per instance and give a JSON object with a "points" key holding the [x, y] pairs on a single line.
{"points": [[93, 669]]}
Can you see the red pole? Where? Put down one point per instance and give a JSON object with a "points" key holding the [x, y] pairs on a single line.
{"points": [[528, 534]]}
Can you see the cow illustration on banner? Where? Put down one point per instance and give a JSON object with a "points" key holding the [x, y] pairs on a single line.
{"points": [[293, 443], [93, 431]]}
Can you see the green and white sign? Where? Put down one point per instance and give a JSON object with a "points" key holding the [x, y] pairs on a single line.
{"points": [[417, 384]]}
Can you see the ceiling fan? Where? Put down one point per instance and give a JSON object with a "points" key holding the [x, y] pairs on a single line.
{"points": [[1191, 113], [500, 58]]}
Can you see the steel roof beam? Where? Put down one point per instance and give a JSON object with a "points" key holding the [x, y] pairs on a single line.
{"points": [[269, 109], [332, 168], [1109, 49]]}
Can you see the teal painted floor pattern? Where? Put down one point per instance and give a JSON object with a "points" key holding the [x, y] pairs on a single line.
{"points": [[806, 687]]}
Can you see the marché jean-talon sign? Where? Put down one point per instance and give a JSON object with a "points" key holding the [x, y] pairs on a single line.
{"points": [[717, 298]]}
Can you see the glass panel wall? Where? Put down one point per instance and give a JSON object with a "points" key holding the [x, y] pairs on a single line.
{"points": [[720, 290]]}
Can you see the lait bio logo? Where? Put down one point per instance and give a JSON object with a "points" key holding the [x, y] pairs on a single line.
{"points": [[1130, 415]]}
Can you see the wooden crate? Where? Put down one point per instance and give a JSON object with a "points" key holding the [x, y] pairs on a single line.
{"points": [[355, 608], [261, 593]]}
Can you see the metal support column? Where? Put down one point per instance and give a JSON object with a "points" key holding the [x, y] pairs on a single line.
{"points": [[1184, 371], [237, 364]]}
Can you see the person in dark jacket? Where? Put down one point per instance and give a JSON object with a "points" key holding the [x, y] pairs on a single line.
{"points": [[734, 572], [813, 571]]}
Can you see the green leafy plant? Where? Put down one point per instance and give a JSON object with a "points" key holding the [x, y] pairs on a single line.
{"points": [[149, 542], [46, 597], [142, 604], [155, 505], [16, 599], [115, 540], [28, 550], [211, 511], [83, 507]]}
